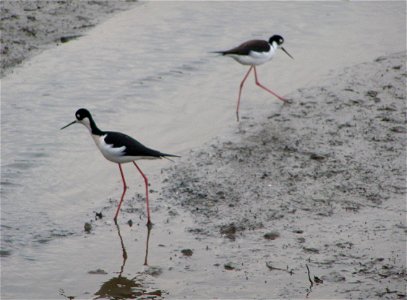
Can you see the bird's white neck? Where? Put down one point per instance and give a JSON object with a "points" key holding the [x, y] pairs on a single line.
{"points": [[274, 45]]}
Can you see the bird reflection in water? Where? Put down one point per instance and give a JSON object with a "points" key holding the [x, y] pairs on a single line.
{"points": [[121, 287]]}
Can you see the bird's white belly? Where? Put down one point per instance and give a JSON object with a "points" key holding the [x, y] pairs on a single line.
{"points": [[110, 153], [254, 58], [115, 155]]}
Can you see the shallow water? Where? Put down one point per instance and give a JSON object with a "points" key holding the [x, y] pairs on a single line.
{"points": [[148, 72]]}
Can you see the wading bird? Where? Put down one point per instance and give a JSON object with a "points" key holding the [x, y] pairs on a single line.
{"points": [[119, 148], [254, 53]]}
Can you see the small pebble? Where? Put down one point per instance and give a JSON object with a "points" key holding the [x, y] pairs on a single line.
{"points": [[98, 272], [98, 215], [88, 227], [230, 266], [271, 235], [187, 252]]}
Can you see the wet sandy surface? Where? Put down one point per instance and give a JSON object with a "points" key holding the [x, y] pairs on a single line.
{"points": [[29, 27], [318, 183]]}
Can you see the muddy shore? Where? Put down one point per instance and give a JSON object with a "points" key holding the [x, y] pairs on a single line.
{"points": [[322, 181], [313, 192], [29, 27]]}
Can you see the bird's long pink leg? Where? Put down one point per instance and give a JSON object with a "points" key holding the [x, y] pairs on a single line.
{"points": [[146, 183], [240, 92], [124, 192], [263, 87]]}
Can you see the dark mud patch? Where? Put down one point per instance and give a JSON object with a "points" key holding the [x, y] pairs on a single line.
{"points": [[330, 166]]}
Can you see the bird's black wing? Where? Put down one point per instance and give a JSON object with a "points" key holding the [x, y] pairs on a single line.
{"points": [[133, 147], [245, 48]]}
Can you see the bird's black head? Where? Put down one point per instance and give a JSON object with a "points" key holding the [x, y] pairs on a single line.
{"points": [[82, 113], [277, 39], [84, 117]]}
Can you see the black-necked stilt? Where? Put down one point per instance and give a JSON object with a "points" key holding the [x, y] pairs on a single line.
{"points": [[119, 148], [254, 53]]}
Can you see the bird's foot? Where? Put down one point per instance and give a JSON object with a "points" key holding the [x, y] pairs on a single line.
{"points": [[287, 100]]}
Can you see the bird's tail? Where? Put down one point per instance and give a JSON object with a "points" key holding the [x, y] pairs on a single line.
{"points": [[167, 156]]}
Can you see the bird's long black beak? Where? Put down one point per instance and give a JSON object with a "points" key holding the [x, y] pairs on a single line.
{"points": [[68, 124], [287, 52]]}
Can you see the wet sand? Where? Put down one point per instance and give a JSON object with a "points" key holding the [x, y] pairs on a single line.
{"points": [[321, 182], [318, 183], [29, 27]]}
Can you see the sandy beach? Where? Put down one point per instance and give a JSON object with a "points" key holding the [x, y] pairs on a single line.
{"points": [[299, 200]]}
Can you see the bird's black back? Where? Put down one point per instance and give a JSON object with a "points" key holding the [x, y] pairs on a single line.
{"points": [[245, 48], [133, 147]]}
